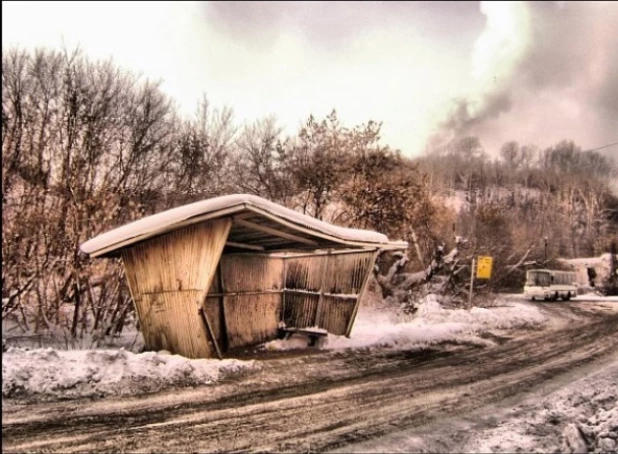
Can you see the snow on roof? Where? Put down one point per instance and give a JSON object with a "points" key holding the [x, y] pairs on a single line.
{"points": [[588, 261], [226, 206]]}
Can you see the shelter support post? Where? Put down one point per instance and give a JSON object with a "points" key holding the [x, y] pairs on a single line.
{"points": [[225, 335], [208, 325], [472, 271]]}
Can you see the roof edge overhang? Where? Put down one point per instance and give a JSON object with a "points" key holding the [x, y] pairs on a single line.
{"points": [[111, 242]]}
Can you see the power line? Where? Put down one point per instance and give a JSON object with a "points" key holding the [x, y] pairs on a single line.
{"points": [[603, 146]]}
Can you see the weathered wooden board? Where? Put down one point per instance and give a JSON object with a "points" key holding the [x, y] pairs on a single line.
{"points": [[169, 277]]}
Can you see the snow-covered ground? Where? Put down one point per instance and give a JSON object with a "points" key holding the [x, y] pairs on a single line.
{"points": [[430, 325], [581, 416], [49, 373], [565, 414]]}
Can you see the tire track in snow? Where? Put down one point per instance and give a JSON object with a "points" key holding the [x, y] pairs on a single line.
{"points": [[319, 402]]}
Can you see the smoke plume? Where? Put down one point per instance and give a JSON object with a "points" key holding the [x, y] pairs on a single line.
{"points": [[544, 72]]}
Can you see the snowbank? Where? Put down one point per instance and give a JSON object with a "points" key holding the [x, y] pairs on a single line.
{"points": [[432, 325], [52, 374], [596, 297], [505, 316]]}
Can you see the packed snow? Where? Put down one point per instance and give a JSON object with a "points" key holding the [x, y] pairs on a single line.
{"points": [[432, 324], [583, 417], [46, 373], [580, 416]]}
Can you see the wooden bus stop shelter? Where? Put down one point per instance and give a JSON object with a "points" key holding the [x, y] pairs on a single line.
{"points": [[231, 271]]}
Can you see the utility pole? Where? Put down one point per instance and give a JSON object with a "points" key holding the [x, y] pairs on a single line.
{"points": [[545, 251], [472, 270]]}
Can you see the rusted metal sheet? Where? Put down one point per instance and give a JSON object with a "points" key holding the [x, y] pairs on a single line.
{"points": [[346, 273], [304, 273], [362, 291], [245, 299]]}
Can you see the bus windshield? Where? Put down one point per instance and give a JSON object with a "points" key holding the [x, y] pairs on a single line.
{"points": [[538, 278]]}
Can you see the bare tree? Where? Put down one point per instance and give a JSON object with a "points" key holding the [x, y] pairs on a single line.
{"points": [[260, 163], [87, 148], [319, 163], [204, 148]]}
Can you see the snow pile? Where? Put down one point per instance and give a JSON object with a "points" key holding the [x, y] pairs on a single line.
{"points": [[582, 417], [431, 325], [294, 342], [511, 316], [597, 425], [404, 336], [52, 374]]}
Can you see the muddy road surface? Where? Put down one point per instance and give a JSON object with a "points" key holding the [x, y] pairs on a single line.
{"points": [[324, 401]]}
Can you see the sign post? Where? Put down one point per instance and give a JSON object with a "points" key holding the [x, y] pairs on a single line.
{"points": [[483, 271], [471, 284]]}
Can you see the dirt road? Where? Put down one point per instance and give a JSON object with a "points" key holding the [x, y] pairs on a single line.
{"points": [[323, 401]]}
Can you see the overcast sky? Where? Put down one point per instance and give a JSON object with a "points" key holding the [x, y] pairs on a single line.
{"points": [[532, 72]]}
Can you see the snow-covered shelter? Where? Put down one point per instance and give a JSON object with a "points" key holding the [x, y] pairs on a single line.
{"points": [[230, 271]]}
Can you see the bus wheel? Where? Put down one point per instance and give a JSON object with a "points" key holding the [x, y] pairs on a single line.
{"points": [[567, 297], [533, 298]]}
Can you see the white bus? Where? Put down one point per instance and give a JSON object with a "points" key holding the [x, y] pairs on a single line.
{"points": [[550, 285]]}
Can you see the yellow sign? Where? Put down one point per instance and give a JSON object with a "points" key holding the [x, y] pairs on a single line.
{"points": [[483, 267]]}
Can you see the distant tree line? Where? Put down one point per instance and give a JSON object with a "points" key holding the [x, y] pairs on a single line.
{"points": [[528, 205], [87, 147]]}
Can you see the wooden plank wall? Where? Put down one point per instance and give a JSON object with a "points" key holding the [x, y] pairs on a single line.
{"points": [[246, 299], [169, 277], [324, 290], [251, 293], [303, 280]]}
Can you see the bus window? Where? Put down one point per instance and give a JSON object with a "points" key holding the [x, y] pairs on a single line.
{"points": [[538, 278]]}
